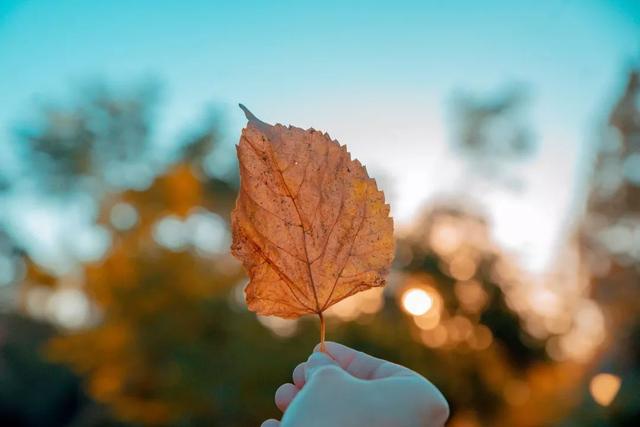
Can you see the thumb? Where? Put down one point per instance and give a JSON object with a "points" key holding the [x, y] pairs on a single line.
{"points": [[316, 361]]}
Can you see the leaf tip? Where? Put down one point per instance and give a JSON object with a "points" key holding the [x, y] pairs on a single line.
{"points": [[253, 120], [248, 114]]}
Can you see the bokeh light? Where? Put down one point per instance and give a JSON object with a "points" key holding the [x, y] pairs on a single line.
{"points": [[416, 301], [604, 388], [123, 216]]}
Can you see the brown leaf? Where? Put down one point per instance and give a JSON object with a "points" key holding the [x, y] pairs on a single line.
{"points": [[310, 226]]}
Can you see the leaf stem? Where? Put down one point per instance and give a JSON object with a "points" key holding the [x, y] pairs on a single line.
{"points": [[322, 332]]}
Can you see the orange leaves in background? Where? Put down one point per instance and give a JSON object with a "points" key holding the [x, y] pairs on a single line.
{"points": [[181, 189], [310, 227]]}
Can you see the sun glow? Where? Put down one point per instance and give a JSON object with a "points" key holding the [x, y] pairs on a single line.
{"points": [[416, 301]]}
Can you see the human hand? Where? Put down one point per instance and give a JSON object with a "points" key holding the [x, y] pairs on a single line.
{"points": [[347, 388]]}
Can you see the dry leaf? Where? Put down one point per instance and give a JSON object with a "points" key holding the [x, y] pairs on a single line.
{"points": [[310, 227]]}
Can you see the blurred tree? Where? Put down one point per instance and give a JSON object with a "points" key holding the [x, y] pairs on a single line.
{"points": [[171, 348], [12, 270], [168, 341], [158, 292], [491, 133], [12, 258], [490, 368], [611, 247], [98, 144]]}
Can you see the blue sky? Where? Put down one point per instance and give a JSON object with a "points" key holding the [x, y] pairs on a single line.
{"points": [[376, 75]]}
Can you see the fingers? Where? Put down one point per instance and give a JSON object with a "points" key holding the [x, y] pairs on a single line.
{"points": [[284, 395], [271, 423], [298, 375], [316, 361], [362, 365], [300, 371], [301, 375]]}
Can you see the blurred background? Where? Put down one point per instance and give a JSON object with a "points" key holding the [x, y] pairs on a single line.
{"points": [[506, 137]]}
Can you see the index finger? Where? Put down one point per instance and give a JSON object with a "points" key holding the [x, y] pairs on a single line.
{"points": [[361, 365]]}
